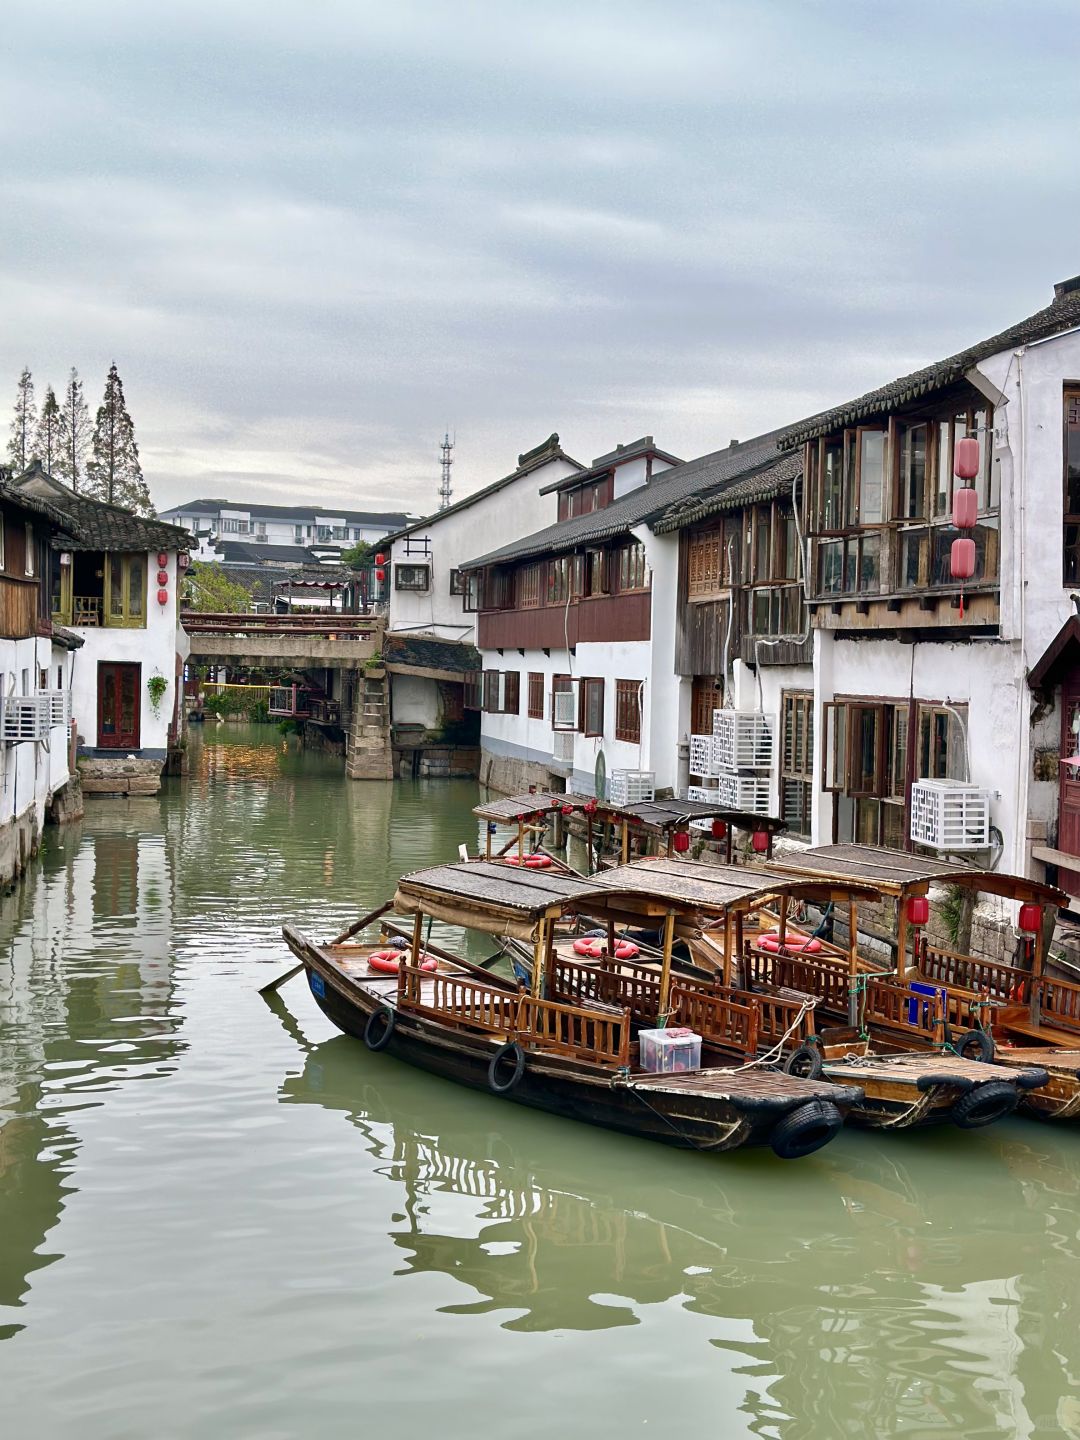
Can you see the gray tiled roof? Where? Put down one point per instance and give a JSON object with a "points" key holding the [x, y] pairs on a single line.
{"points": [[646, 504], [764, 484], [306, 513], [1063, 313], [425, 651], [603, 464], [95, 525]]}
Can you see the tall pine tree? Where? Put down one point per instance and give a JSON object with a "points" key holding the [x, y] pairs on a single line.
{"points": [[114, 474], [75, 422], [23, 424], [49, 441]]}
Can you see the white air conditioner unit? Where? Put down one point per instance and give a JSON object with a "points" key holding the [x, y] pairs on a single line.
{"points": [[744, 740], [631, 787], [562, 747], [24, 717], [564, 709], [745, 792], [950, 815], [59, 706], [704, 756]]}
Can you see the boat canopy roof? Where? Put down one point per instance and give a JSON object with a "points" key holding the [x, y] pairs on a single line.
{"points": [[504, 900], [657, 816], [896, 872]]}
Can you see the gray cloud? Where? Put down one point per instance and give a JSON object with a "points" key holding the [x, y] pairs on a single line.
{"points": [[312, 236]]}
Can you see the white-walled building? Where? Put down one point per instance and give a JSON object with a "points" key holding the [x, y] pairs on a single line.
{"points": [[323, 529], [114, 586]]}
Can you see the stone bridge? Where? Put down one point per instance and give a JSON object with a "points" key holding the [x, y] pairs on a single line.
{"points": [[346, 643]]}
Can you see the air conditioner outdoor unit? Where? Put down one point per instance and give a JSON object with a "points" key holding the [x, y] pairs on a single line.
{"points": [[59, 706], [744, 740], [745, 792], [704, 756], [562, 747], [631, 787], [950, 815], [24, 717]]}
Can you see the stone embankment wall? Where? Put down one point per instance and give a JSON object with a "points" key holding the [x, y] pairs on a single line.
{"points": [[119, 776]]}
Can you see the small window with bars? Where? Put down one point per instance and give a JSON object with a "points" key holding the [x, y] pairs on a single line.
{"points": [[628, 699], [536, 695]]}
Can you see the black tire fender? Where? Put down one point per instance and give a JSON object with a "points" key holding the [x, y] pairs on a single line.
{"points": [[985, 1104], [504, 1052], [806, 1129], [805, 1063], [975, 1045], [379, 1028]]}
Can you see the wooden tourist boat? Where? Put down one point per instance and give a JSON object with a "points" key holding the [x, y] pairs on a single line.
{"points": [[572, 1059], [898, 1090], [1016, 1015], [650, 827]]}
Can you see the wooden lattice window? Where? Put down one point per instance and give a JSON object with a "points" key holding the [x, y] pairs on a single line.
{"points": [[530, 582], [797, 762], [628, 700], [536, 695], [473, 691], [706, 571]]}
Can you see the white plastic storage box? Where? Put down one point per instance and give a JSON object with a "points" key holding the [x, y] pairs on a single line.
{"points": [[667, 1052], [950, 815], [703, 756], [631, 787], [745, 792], [705, 794], [744, 740]]}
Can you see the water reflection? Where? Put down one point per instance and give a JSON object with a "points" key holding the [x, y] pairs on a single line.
{"points": [[86, 992], [881, 1284]]}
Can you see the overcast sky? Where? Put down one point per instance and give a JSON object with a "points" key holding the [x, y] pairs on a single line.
{"points": [[312, 235]]}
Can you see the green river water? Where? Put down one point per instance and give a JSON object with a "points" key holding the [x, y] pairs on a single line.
{"points": [[221, 1219]]}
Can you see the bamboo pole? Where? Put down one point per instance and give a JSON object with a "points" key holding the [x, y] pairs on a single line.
{"points": [[665, 969]]}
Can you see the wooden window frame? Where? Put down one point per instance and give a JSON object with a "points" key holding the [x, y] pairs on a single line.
{"points": [[457, 582], [29, 555], [472, 687], [565, 685], [628, 567], [536, 695], [125, 618], [629, 695], [589, 686], [420, 586]]}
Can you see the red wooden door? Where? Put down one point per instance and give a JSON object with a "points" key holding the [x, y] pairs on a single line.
{"points": [[119, 697]]}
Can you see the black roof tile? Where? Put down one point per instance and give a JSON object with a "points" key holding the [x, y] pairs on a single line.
{"points": [[95, 525]]}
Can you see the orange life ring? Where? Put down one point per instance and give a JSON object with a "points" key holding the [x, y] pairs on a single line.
{"points": [[626, 950], [771, 943], [803, 945], [591, 949], [386, 962], [511, 860], [538, 862]]}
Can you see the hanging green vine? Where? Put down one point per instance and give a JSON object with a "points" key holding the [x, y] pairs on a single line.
{"points": [[157, 685]]}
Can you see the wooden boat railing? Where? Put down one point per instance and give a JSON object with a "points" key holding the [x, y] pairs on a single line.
{"points": [[638, 991], [544, 1024], [1059, 1003], [574, 1030], [824, 977], [719, 1021], [458, 999], [966, 972], [893, 1005]]}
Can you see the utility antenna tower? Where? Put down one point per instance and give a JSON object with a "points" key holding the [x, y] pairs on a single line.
{"points": [[446, 447]]}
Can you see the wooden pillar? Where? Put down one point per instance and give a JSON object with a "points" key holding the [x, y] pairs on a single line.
{"points": [[588, 843], [549, 958], [417, 937], [625, 847], [539, 955], [665, 969], [1038, 960], [730, 837], [521, 841], [853, 961], [727, 947], [611, 937], [783, 918], [487, 839], [901, 938]]}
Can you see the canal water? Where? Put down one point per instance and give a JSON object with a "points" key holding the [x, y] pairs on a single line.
{"points": [[220, 1219]]}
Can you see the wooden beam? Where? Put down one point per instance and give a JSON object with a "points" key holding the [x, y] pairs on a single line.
{"points": [[665, 969]]}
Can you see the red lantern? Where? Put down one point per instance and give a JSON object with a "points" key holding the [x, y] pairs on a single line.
{"points": [[1030, 919], [962, 559], [380, 558], [965, 508], [568, 809], [918, 910], [162, 597], [162, 559], [555, 802], [760, 842], [681, 841], [162, 577], [719, 830], [380, 576], [966, 458], [590, 807]]}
